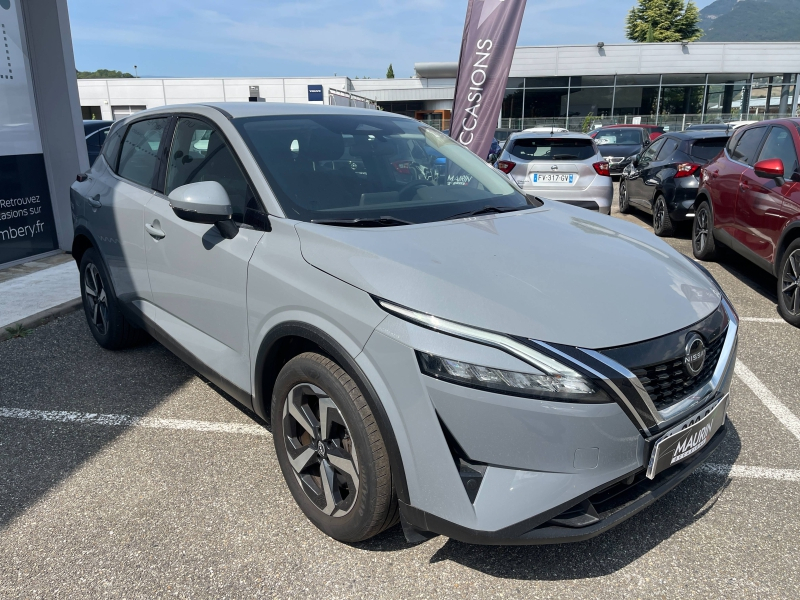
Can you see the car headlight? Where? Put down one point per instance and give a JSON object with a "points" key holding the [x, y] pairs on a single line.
{"points": [[544, 387], [556, 381]]}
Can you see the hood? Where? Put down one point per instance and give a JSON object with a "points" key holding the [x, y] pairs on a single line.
{"points": [[557, 273], [619, 149]]}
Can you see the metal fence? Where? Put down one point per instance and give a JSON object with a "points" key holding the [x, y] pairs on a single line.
{"points": [[341, 98]]}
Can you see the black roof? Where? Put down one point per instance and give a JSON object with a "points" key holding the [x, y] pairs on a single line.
{"points": [[699, 134], [93, 125]]}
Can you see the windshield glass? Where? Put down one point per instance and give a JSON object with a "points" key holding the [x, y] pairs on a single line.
{"points": [[552, 149], [344, 167], [707, 149], [630, 137]]}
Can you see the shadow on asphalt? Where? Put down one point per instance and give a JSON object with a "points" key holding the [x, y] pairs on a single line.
{"points": [[60, 367], [603, 555]]}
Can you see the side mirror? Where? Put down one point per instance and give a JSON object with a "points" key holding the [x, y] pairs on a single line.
{"points": [[647, 142], [204, 202], [772, 168], [492, 159]]}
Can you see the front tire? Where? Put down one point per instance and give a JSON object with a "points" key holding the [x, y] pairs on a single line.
{"points": [[703, 243], [102, 307], [662, 224], [624, 200], [330, 450], [789, 284]]}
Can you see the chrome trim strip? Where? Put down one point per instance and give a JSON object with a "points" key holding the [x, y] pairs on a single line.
{"points": [[606, 380], [630, 377]]}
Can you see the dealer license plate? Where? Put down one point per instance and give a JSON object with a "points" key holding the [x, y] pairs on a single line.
{"points": [[686, 439], [559, 178]]}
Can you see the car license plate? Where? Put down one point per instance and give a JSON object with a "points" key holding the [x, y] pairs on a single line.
{"points": [[559, 178], [686, 439]]}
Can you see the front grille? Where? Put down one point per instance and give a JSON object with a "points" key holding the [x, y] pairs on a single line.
{"points": [[668, 382]]}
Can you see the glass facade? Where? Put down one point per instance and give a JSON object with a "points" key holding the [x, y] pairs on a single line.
{"points": [[674, 100]]}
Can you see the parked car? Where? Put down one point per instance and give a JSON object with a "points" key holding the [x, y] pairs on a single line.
{"points": [[95, 132], [749, 200], [619, 144], [564, 166], [653, 131], [494, 150], [543, 129], [663, 180], [465, 359]]}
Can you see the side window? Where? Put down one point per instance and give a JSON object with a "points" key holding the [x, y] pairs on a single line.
{"points": [[745, 150], [199, 153], [650, 153], [780, 144], [670, 145], [139, 157], [111, 147]]}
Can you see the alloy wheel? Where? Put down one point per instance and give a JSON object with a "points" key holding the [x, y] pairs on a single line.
{"points": [[623, 195], [790, 287], [700, 231], [320, 449], [658, 218], [96, 297]]}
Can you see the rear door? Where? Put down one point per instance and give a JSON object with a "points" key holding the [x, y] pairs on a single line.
{"points": [[199, 278], [652, 175], [725, 174], [762, 205], [115, 207]]}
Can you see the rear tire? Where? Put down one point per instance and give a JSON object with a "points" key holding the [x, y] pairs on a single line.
{"points": [[624, 200], [102, 308], [662, 224], [330, 450], [789, 284], [704, 246]]}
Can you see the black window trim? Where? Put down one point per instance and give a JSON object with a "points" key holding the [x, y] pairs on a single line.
{"points": [[161, 176]]}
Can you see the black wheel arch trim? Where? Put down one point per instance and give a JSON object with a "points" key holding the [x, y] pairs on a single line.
{"points": [[336, 352], [790, 233]]}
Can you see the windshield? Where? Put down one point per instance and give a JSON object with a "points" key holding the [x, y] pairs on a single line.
{"points": [[552, 149], [346, 167], [707, 149], [629, 137]]}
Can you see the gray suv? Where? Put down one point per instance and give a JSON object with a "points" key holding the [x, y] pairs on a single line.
{"points": [[429, 344]]}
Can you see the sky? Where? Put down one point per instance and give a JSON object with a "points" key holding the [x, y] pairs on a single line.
{"points": [[294, 38]]}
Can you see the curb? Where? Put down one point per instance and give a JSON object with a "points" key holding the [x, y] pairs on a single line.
{"points": [[43, 317]]}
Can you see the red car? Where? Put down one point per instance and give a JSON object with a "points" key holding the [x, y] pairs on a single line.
{"points": [[749, 200], [653, 130]]}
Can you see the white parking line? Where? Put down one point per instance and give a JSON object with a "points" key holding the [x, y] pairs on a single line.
{"points": [[776, 407], [61, 416], [763, 320], [746, 472]]}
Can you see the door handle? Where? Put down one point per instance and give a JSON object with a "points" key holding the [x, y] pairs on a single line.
{"points": [[154, 231], [744, 187], [94, 202], [714, 174]]}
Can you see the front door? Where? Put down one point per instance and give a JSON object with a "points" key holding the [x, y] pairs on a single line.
{"points": [[637, 188], [199, 278], [760, 208]]}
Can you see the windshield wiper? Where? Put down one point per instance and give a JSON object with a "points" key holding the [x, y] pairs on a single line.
{"points": [[377, 222], [486, 210]]}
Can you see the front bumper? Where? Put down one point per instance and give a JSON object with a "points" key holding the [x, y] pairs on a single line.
{"points": [[610, 505], [528, 462]]}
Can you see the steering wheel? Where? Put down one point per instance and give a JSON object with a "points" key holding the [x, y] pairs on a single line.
{"points": [[408, 190]]}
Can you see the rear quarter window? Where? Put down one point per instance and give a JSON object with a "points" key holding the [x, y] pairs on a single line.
{"points": [[705, 150], [111, 147], [552, 149]]}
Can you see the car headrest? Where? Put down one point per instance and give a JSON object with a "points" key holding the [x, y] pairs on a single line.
{"points": [[322, 144]]}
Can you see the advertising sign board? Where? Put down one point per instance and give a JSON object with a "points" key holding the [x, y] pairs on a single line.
{"points": [[27, 226], [315, 93]]}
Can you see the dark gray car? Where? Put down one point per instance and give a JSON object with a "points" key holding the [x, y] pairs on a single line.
{"points": [[430, 346]]}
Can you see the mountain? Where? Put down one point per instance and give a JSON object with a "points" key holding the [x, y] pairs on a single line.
{"points": [[751, 21]]}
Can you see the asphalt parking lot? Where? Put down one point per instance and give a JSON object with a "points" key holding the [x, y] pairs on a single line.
{"points": [[124, 474]]}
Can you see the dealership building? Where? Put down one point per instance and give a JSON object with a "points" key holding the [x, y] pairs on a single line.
{"points": [[673, 84]]}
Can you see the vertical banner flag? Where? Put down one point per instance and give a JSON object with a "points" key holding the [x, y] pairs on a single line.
{"points": [[490, 37]]}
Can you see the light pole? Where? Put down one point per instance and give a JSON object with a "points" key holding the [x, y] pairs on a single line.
{"points": [[135, 71]]}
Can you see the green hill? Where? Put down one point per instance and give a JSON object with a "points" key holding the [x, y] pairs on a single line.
{"points": [[751, 21]]}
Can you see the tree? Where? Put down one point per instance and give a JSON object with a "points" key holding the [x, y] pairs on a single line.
{"points": [[102, 74], [663, 21], [390, 72]]}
